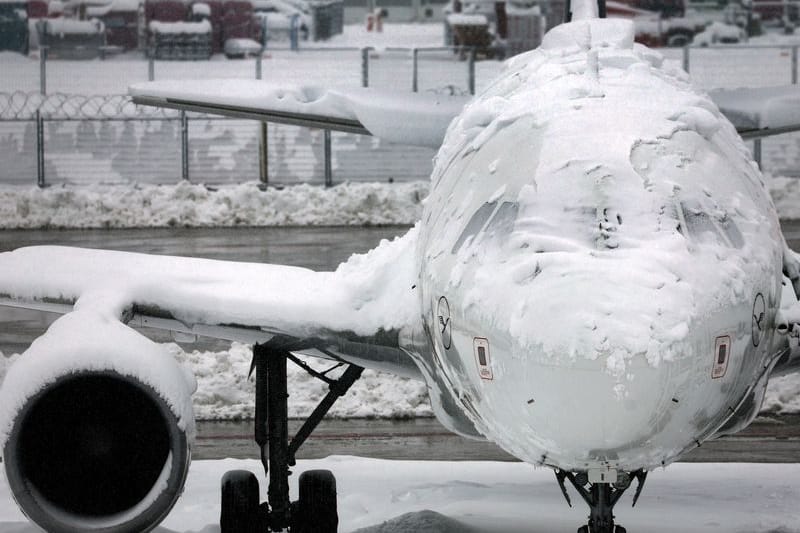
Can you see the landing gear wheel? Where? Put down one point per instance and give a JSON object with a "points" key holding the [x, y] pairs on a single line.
{"points": [[620, 529], [315, 511], [239, 502]]}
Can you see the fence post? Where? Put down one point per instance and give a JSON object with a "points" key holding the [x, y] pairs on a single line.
{"points": [[415, 70], [184, 146], [364, 67], [40, 181], [151, 68], [473, 52], [328, 159], [43, 70], [263, 152], [794, 65], [258, 66], [686, 58]]}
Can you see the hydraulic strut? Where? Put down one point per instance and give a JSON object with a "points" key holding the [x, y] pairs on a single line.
{"points": [[272, 422]]}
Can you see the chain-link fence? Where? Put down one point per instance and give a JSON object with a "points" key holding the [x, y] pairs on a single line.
{"points": [[49, 134], [107, 139]]}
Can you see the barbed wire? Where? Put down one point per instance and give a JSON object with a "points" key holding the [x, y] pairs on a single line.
{"points": [[24, 106]]}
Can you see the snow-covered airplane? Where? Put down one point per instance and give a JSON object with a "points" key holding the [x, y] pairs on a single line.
{"points": [[598, 284]]}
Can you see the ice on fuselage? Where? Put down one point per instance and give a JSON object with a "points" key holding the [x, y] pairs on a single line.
{"points": [[638, 215]]}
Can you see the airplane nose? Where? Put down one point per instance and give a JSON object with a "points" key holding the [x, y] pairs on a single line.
{"points": [[580, 415]]}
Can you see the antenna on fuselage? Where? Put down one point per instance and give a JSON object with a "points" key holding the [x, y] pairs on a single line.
{"points": [[585, 9]]}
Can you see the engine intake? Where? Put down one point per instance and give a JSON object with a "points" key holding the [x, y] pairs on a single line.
{"points": [[96, 451]]}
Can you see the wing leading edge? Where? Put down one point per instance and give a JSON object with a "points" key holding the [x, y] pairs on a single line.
{"points": [[353, 313], [419, 119]]}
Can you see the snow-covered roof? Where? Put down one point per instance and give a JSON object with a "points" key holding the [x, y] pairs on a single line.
{"points": [[203, 26], [68, 26], [461, 19]]}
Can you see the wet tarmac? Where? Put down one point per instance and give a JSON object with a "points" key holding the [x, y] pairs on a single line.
{"points": [[767, 440], [770, 439]]}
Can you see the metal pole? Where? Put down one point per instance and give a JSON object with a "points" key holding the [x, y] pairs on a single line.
{"points": [[415, 70], [40, 150], [473, 52], [264, 157], [757, 151], [184, 146], [328, 158], [364, 67], [258, 67], [794, 65], [686, 58], [43, 70], [151, 69]]}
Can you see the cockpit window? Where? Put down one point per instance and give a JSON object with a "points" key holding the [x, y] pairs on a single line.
{"points": [[503, 220], [500, 224], [475, 224], [699, 225]]}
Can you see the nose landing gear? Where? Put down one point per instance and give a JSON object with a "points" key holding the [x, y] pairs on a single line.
{"points": [[601, 497]]}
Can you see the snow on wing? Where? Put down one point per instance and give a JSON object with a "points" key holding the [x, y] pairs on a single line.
{"points": [[367, 296], [418, 119]]}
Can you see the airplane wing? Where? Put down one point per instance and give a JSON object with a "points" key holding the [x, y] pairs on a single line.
{"points": [[418, 119], [354, 313], [760, 112]]}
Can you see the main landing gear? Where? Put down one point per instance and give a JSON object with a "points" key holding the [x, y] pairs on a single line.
{"points": [[315, 511], [601, 497]]}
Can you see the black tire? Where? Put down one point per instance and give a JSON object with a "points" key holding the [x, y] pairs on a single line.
{"points": [[620, 529], [315, 511], [583, 529], [239, 510]]}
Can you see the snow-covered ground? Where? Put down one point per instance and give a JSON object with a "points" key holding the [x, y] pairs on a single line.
{"points": [[378, 496], [194, 205], [186, 204]]}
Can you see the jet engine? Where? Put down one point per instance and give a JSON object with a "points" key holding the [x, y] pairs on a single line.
{"points": [[99, 441]]}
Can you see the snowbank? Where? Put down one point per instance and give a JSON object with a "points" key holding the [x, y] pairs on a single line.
{"points": [[190, 205], [225, 392]]}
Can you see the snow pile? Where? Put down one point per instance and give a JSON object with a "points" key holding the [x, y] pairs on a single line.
{"points": [[420, 522], [187, 204], [785, 193], [783, 395], [192, 205], [225, 392], [719, 32]]}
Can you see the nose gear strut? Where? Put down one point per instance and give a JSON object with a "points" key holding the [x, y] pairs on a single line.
{"points": [[601, 497]]}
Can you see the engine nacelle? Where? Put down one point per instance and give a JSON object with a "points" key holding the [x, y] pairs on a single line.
{"points": [[97, 439]]}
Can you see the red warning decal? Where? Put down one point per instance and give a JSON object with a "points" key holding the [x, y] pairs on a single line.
{"points": [[482, 357], [722, 353]]}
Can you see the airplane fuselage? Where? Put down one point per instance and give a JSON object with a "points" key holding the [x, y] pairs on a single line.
{"points": [[601, 261]]}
